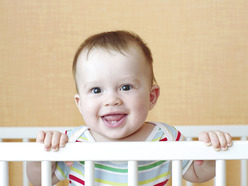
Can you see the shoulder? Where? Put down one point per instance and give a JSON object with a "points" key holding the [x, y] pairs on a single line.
{"points": [[170, 132], [71, 131], [75, 133]]}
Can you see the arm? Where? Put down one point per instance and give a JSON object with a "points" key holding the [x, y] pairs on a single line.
{"points": [[202, 171], [52, 140]]}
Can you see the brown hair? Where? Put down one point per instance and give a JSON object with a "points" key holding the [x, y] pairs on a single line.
{"points": [[114, 40]]}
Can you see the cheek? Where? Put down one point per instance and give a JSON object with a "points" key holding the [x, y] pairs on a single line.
{"points": [[88, 108], [140, 103], [140, 111], [89, 116]]}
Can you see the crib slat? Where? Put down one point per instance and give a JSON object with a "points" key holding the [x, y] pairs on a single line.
{"points": [[220, 178], [25, 181], [89, 173], [243, 173], [187, 182], [46, 173], [177, 173], [4, 173], [243, 177], [132, 173]]}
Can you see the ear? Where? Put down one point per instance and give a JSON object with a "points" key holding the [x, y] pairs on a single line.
{"points": [[154, 94], [78, 103]]}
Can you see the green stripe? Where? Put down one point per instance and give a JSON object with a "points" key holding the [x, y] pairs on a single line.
{"points": [[108, 168], [151, 165], [146, 167]]}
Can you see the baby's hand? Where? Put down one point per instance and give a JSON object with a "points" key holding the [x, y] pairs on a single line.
{"points": [[52, 140], [218, 139]]}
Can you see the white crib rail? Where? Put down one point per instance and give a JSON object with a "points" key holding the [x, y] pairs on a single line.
{"points": [[26, 133], [121, 151]]}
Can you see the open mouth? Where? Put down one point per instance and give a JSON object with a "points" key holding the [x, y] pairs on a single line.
{"points": [[114, 120]]}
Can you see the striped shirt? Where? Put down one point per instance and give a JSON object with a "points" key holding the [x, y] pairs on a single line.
{"points": [[107, 173]]}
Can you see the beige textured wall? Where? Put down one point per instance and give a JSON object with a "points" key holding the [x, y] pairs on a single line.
{"points": [[200, 50]]}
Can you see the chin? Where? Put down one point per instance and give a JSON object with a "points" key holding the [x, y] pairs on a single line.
{"points": [[116, 137]]}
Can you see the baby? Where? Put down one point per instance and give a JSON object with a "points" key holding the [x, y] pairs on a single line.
{"points": [[116, 89]]}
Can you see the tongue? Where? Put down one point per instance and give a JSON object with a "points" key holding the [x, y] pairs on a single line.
{"points": [[114, 117]]}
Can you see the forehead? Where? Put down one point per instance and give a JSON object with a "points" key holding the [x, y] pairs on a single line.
{"points": [[111, 62], [132, 53]]}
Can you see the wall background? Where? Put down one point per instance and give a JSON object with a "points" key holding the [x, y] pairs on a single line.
{"points": [[200, 51]]}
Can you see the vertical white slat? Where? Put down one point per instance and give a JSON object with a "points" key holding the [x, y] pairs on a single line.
{"points": [[46, 173], [89, 173], [4, 173], [243, 167], [187, 182], [25, 181], [243, 172], [176, 173], [220, 178], [132, 173]]}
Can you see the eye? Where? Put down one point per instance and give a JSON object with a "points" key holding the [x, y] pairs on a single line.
{"points": [[96, 90], [126, 87]]}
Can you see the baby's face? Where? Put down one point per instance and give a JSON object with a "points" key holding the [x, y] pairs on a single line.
{"points": [[114, 92]]}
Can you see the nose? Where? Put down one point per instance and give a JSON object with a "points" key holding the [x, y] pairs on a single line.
{"points": [[112, 100]]}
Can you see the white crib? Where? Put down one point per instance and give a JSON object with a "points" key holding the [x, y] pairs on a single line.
{"points": [[35, 152]]}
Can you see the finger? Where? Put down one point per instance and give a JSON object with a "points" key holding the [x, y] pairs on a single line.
{"points": [[222, 140], [214, 140], [204, 137], [228, 139], [40, 137], [63, 140], [48, 140], [55, 141]]}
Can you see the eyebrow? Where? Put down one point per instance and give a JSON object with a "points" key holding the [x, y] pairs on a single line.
{"points": [[130, 78], [91, 84], [98, 83]]}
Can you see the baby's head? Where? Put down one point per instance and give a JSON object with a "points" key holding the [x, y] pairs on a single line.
{"points": [[115, 83], [118, 41]]}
